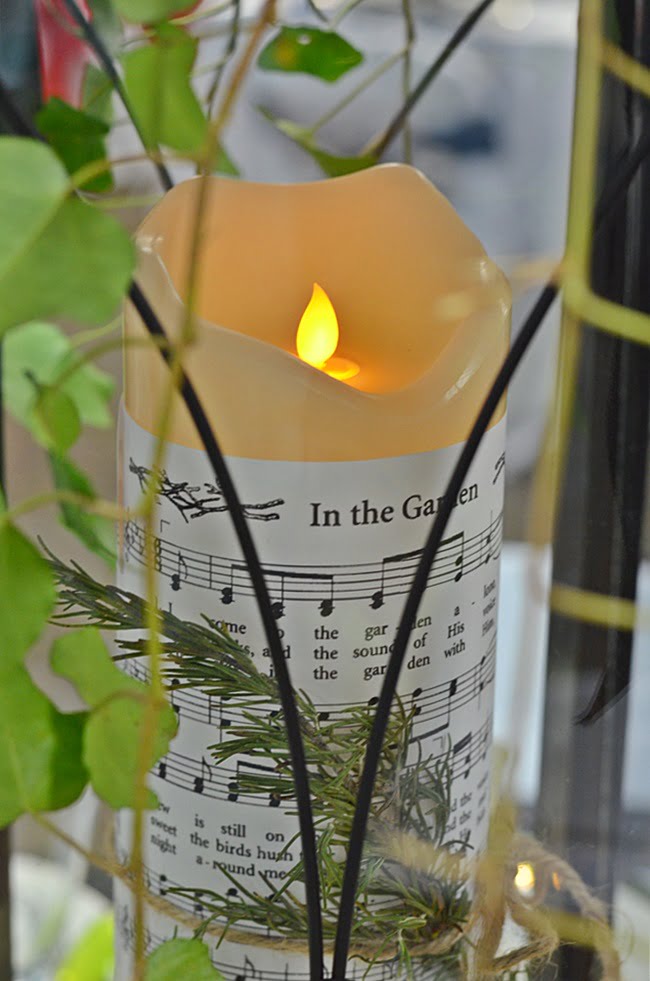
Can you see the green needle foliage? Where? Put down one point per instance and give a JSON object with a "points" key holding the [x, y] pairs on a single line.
{"points": [[62, 255], [399, 907]]}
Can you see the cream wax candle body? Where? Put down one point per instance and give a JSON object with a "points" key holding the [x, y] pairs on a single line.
{"points": [[340, 480]]}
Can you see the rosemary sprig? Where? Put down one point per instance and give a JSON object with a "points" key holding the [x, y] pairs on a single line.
{"points": [[401, 907]]}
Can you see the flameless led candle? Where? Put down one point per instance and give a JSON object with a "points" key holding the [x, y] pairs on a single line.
{"points": [[402, 272], [346, 334]]}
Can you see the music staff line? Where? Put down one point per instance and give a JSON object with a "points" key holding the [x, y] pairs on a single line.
{"points": [[218, 782], [244, 969], [458, 556], [432, 705], [163, 885], [224, 783]]}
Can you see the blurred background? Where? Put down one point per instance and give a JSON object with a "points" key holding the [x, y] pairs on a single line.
{"points": [[493, 134]]}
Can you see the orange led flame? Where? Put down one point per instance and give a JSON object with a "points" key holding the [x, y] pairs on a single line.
{"points": [[318, 337]]}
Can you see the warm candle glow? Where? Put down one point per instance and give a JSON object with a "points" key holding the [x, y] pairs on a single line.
{"points": [[525, 878], [318, 337]]}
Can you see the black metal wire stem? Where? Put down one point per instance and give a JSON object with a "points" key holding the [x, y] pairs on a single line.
{"points": [[287, 698], [466, 27], [24, 127], [97, 44], [611, 194], [615, 187], [420, 580]]}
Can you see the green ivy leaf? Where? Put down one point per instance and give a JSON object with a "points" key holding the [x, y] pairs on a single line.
{"points": [[81, 657], [107, 23], [27, 594], [225, 164], [58, 254], [181, 959], [92, 958], [157, 78], [150, 11], [97, 95], [78, 139], [330, 163], [42, 352], [309, 50], [55, 421], [41, 768], [113, 731], [335, 166], [96, 532]]}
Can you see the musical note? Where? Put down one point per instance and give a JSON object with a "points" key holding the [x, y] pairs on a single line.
{"points": [[174, 685], [486, 543], [162, 770], [457, 556], [377, 600], [455, 543], [199, 782], [157, 549], [481, 680], [234, 786], [250, 971], [128, 540], [391, 572], [228, 592], [181, 572], [224, 723], [327, 605], [161, 888], [277, 607], [417, 709], [464, 744], [443, 726], [305, 578]]}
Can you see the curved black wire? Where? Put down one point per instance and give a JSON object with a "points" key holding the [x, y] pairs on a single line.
{"points": [[94, 39], [23, 127], [389, 686], [287, 700], [465, 27], [615, 187], [611, 194]]}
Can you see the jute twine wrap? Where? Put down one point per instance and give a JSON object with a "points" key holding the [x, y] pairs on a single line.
{"points": [[496, 899]]}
